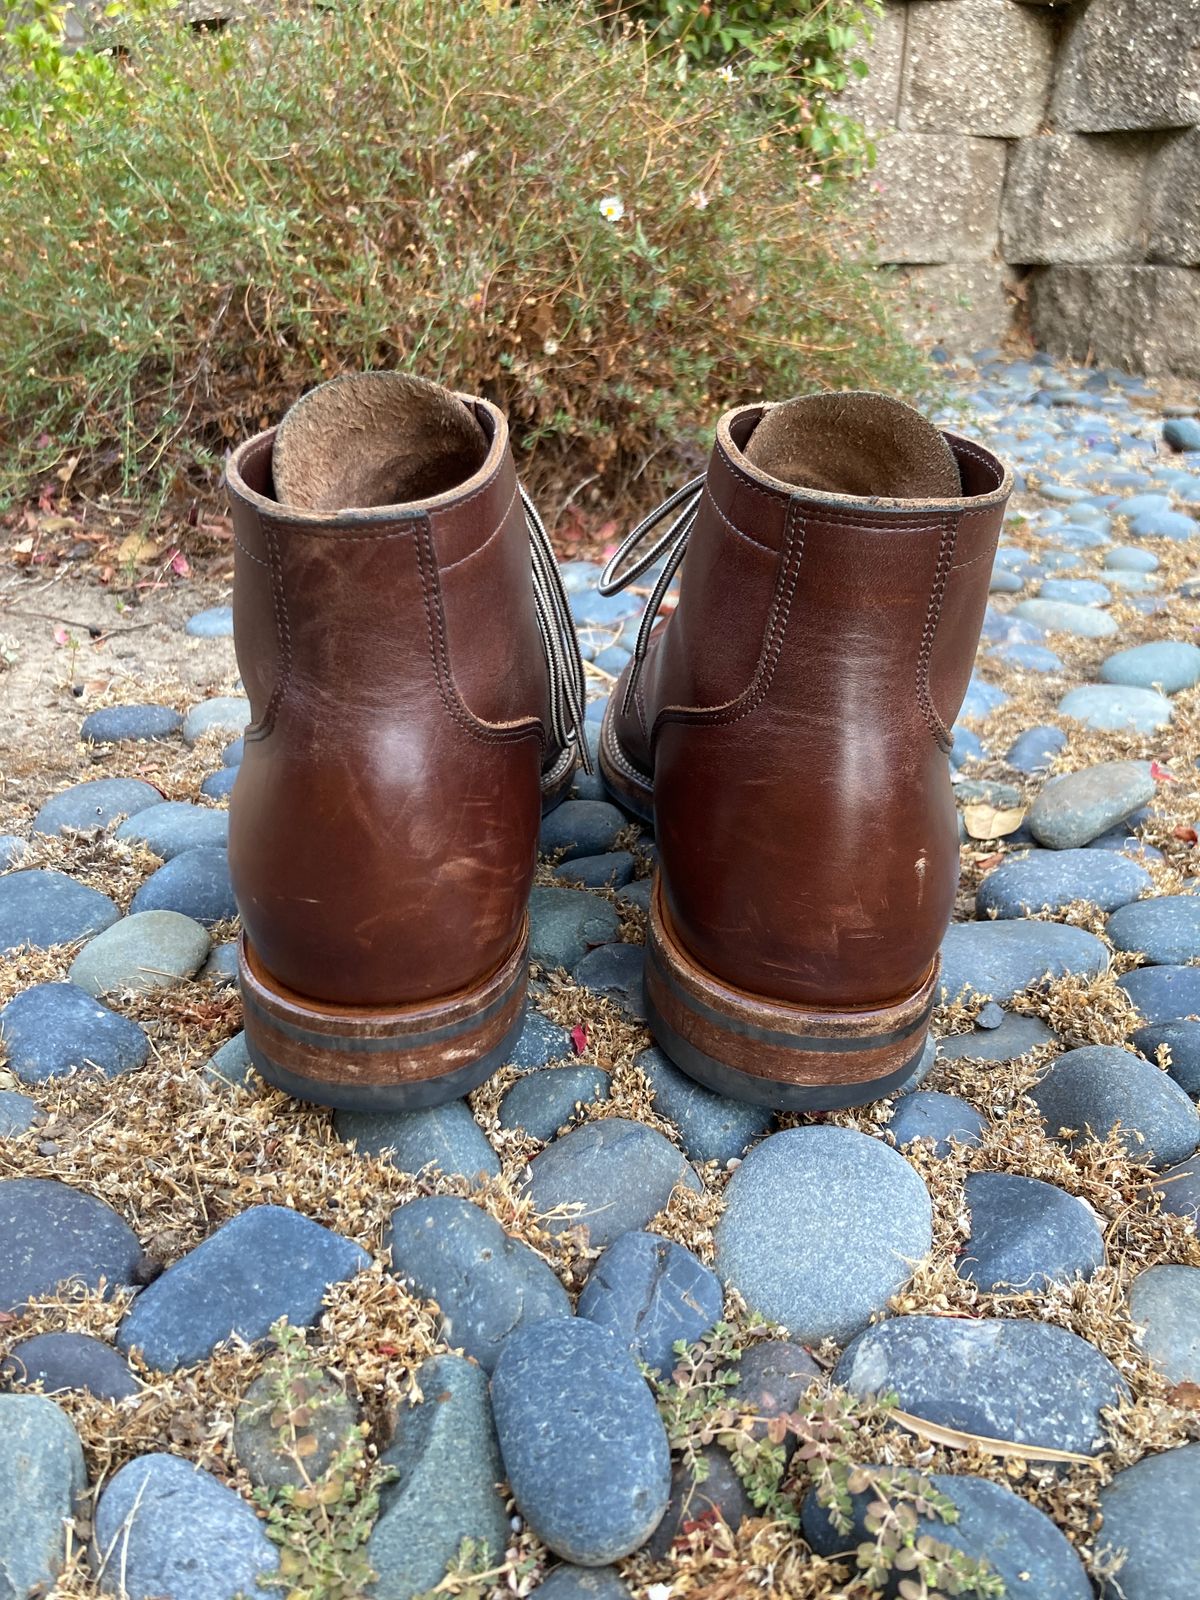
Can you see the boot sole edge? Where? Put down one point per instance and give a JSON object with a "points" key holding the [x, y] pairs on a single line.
{"points": [[770, 1053], [377, 1058]]}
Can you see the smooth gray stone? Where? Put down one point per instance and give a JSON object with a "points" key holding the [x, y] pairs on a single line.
{"points": [[1000, 959], [231, 1064], [542, 1102], [1183, 1040], [1130, 558], [51, 1234], [1025, 1234], [564, 924], [937, 1119], [615, 971], [169, 1529], [620, 1173], [225, 713], [485, 1282], [215, 623], [1062, 616], [822, 1226], [1033, 750], [299, 1454], [444, 1450], [712, 1127], [1165, 1300], [652, 1293], [1163, 994], [719, 1493], [1093, 1089], [1076, 591], [1005, 1378], [233, 753], [95, 804], [40, 908], [1053, 879], [65, 1361], [145, 951], [583, 1444], [446, 1137], [267, 1262], [177, 825], [581, 828], [142, 722], [222, 964], [1115, 708], [219, 785], [12, 846], [772, 1376], [541, 1041], [42, 1481], [18, 1112], [1149, 1512], [636, 894], [1077, 807], [1166, 929], [1019, 1543], [613, 870], [1179, 1189], [195, 883], [1015, 1036], [568, 1582], [56, 1028], [1166, 664]]}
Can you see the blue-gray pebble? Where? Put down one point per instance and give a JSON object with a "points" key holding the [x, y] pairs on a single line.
{"points": [[1183, 1039], [51, 1234], [652, 1293], [1026, 1233], [143, 722], [42, 1481], [1164, 1302], [937, 1119], [583, 1444], [1053, 879], [1161, 994], [1095, 1088], [1077, 807], [177, 825], [40, 908], [267, 1262], [712, 1127], [1166, 929], [1000, 959], [195, 883], [1149, 1513], [1166, 664], [66, 1361], [95, 804], [446, 1137], [564, 924], [541, 1102], [149, 950], [485, 1282], [56, 1028]]}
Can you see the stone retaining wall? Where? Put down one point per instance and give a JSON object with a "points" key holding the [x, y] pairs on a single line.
{"points": [[1039, 169]]}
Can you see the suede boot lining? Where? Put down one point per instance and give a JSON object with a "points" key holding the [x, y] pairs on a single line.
{"points": [[374, 439], [854, 444]]}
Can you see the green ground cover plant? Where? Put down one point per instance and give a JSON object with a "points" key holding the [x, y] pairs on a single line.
{"points": [[520, 199]]}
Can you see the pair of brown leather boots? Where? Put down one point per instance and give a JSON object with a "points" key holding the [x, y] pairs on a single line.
{"points": [[418, 700]]}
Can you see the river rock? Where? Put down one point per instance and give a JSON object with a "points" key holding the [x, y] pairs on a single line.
{"points": [[712, 1127], [564, 924], [142, 722], [1113, 709], [294, 1437], [583, 1445], [446, 1137], [1163, 994], [1166, 664], [1016, 1036], [149, 950], [268, 1262], [1166, 929], [485, 1282], [542, 1102], [1053, 879], [822, 1226], [1077, 807], [620, 1173], [56, 1028], [1025, 1382], [95, 804], [1182, 1038], [51, 1234], [1165, 1301], [195, 883], [175, 826], [1026, 1233], [1001, 959], [652, 1293], [42, 1481], [40, 908], [1149, 1513], [1089, 1091], [61, 1362]]}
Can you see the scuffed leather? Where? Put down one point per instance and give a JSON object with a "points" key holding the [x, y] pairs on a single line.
{"points": [[384, 823], [793, 713]]}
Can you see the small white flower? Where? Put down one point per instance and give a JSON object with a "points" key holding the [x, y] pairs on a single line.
{"points": [[550, 346], [612, 208], [726, 73], [659, 1591], [699, 199]]}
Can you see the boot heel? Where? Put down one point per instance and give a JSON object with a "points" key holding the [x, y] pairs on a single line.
{"points": [[370, 1058], [767, 1052]]}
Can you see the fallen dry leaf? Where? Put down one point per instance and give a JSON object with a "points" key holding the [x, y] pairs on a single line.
{"points": [[985, 821]]}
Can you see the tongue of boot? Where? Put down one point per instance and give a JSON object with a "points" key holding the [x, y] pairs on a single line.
{"points": [[859, 444], [374, 439]]}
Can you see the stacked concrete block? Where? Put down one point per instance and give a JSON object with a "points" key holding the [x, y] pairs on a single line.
{"points": [[1041, 156]]}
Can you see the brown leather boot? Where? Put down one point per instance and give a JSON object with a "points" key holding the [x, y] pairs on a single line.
{"points": [[416, 693], [787, 729]]}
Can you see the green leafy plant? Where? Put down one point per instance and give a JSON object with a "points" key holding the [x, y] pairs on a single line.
{"points": [[698, 1409], [797, 55], [514, 199], [321, 1521]]}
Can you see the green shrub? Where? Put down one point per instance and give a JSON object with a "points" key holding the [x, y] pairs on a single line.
{"points": [[798, 55], [507, 199]]}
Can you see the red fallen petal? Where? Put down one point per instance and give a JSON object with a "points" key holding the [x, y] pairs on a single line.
{"points": [[1188, 835], [1161, 775], [179, 564], [579, 1038]]}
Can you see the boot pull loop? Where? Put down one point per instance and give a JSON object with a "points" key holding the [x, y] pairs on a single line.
{"points": [[568, 692], [673, 544]]}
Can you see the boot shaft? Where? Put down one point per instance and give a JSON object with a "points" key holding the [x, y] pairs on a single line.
{"points": [[384, 823]]}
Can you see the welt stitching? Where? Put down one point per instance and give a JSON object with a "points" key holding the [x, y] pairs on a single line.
{"points": [[283, 636], [440, 656], [781, 606], [249, 554], [299, 530], [733, 527], [773, 497], [932, 617], [495, 533]]}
